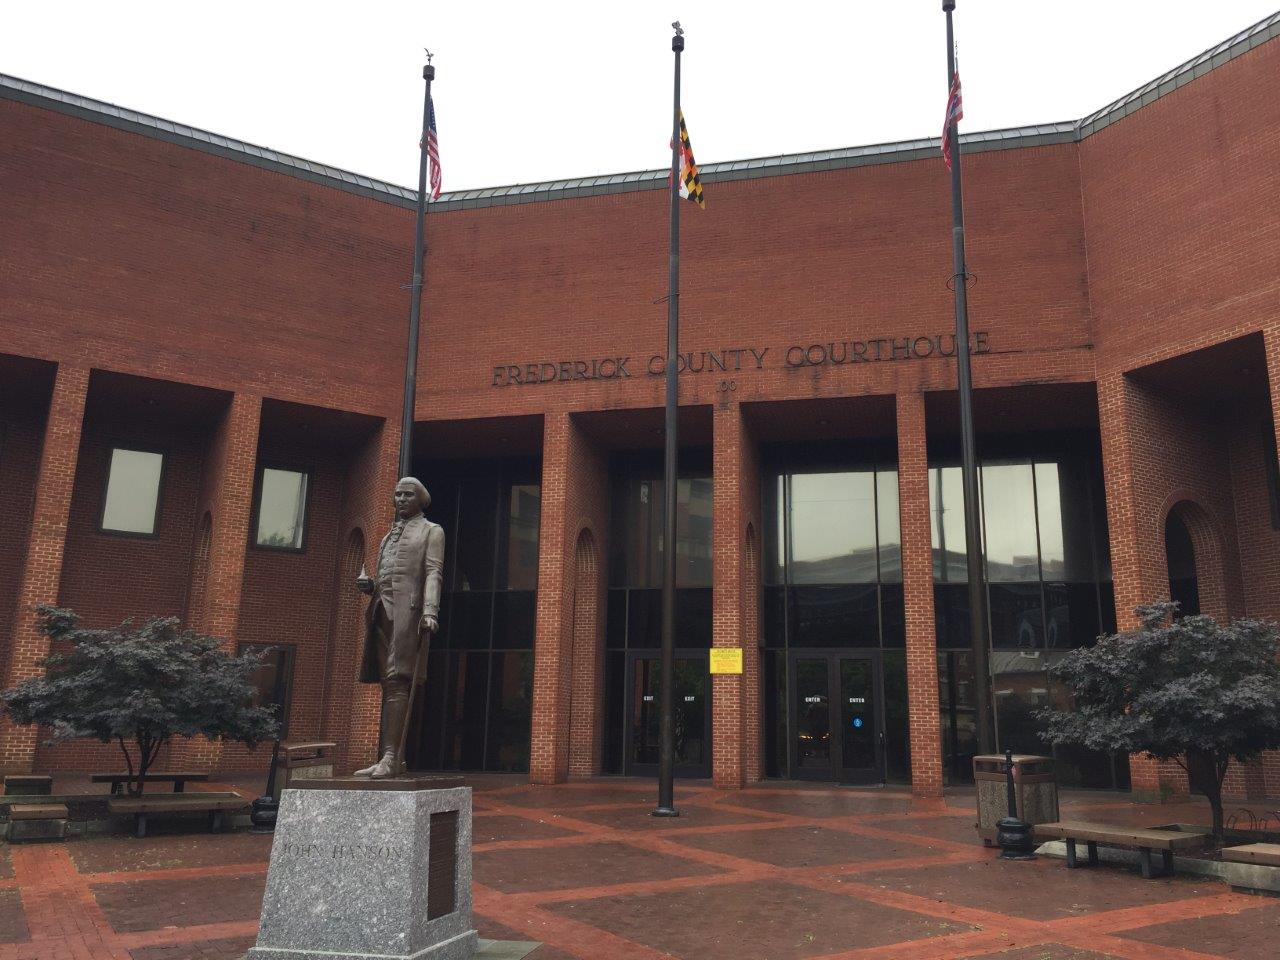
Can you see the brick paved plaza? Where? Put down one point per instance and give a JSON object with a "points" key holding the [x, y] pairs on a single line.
{"points": [[770, 873]]}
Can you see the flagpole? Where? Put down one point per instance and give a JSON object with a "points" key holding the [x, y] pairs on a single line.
{"points": [[978, 627], [667, 731], [415, 293]]}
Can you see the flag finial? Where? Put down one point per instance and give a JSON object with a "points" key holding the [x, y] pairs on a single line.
{"points": [[675, 25], [428, 53]]}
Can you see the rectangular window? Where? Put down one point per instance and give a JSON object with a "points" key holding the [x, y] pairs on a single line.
{"points": [[272, 680], [133, 492], [282, 509]]}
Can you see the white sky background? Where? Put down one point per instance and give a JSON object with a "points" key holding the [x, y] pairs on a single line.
{"points": [[542, 91]]}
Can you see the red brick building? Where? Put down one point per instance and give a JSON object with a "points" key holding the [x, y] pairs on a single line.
{"points": [[200, 352]]}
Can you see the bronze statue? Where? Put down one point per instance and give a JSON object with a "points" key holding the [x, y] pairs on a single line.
{"points": [[402, 616]]}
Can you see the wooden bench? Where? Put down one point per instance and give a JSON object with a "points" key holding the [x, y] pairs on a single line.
{"points": [[28, 785], [36, 821], [1143, 840], [1266, 854], [214, 804], [118, 780]]}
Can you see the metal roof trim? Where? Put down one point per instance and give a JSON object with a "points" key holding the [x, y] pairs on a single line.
{"points": [[134, 121]]}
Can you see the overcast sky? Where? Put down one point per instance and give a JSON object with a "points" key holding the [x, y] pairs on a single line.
{"points": [[546, 90]]}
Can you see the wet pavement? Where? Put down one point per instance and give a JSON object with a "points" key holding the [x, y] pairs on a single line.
{"points": [[777, 872]]}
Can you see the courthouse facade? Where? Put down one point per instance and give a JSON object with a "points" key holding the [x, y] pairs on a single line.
{"points": [[201, 344]]}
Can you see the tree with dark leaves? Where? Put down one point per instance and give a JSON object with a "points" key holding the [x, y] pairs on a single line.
{"points": [[1187, 690], [139, 687]]}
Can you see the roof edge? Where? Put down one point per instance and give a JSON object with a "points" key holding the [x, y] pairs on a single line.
{"points": [[122, 118]]}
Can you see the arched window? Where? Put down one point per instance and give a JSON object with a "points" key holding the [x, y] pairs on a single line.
{"points": [[1180, 554]]}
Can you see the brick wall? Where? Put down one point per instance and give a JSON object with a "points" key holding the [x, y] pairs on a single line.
{"points": [[21, 437], [575, 497], [45, 551], [107, 577]]}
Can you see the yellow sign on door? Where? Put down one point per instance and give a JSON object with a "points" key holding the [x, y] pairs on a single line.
{"points": [[726, 660]]}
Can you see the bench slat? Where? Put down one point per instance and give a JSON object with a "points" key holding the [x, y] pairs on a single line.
{"points": [[158, 777], [1267, 854], [1121, 836], [168, 804], [38, 811]]}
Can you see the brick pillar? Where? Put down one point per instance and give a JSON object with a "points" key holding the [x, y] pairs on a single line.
{"points": [[917, 588], [1134, 556], [227, 497], [574, 499], [352, 710], [46, 544], [735, 699]]}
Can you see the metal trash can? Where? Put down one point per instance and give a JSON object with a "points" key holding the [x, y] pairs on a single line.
{"points": [[304, 761], [1035, 787]]}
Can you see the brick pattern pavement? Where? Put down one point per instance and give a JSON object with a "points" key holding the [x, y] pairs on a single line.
{"points": [[776, 872]]}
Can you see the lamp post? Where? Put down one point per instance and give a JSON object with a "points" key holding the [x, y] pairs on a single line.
{"points": [[1013, 834]]}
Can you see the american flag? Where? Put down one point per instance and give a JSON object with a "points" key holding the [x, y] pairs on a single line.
{"points": [[433, 149], [955, 113]]}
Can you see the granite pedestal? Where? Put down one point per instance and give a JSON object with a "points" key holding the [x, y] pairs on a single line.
{"points": [[357, 874]]}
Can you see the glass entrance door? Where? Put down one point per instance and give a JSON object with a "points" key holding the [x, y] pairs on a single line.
{"points": [[692, 713], [836, 703]]}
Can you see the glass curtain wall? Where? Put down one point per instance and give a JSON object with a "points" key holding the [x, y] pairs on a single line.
{"points": [[478, 705], [832, 580], [634, 608], [1049, 590]]}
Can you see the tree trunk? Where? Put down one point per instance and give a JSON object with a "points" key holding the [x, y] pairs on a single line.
{"points": [[1206, 771]]}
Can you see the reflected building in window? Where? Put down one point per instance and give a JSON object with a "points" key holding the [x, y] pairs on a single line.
{"points": [[477, 708], [1049, 590]]}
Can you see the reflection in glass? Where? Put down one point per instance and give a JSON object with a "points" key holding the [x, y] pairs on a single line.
{"points": [[133, 491], [951, 616], [1009, 515], [525, 509], [893, 616], [774, 663], [946, 509], [510, 709], [476, 707], [813, 710], [692, 690], [834, 616], [514, 619], [958, 715], [271, 680], [888, 526], [615, 666], [1017, 616], [857, 714], [282, 503], [477, 534], [636, 559], [775, 505], [1049, 511], [897, 739], [833, 528]]}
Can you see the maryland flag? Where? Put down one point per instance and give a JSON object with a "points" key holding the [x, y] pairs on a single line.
{"points": [[690, 185]]}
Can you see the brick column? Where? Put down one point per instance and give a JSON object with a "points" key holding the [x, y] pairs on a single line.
{"points": [[735, 699], [226, 495], [352, 710], [1133, 567], [46, 544], [917, 588], [574, 499]]}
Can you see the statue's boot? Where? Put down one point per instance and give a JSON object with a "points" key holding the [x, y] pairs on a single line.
{"points": [[380, 770], [395, 706]]}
